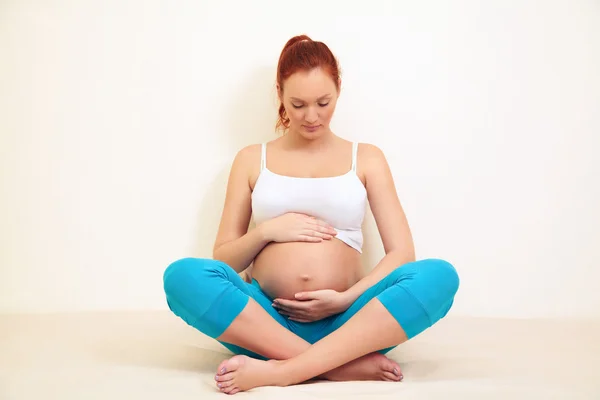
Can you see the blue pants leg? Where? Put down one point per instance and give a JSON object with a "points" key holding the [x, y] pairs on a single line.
{"points": [[208, 295], [417, 295]]}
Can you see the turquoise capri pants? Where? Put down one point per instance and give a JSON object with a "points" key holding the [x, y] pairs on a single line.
{"points": [[208, 295]]}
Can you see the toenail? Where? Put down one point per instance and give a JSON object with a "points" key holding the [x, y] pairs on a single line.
{"points": [[218, 385], [395, 371], [223, 370]]}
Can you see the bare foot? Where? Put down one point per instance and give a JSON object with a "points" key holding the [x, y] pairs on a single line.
{"points": [[241, 373], [371, 367]]}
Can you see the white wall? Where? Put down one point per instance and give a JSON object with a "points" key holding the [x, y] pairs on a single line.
{"points": [[119, 121]]}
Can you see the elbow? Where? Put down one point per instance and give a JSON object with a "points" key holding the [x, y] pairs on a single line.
{"points": [[220, 247], [217, 253], [223, 254], [407, 257], [403, 255], [218, 256]]}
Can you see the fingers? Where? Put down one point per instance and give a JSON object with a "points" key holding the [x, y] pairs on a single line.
{"points": [[297, 316], [320, 235], [292, 305], [294, 310], [300, 311], [323, 227], [292, 313], [318, 230], [310, 295], [310, 238]]}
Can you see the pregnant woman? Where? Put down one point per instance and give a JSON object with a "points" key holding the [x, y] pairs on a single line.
{"points": [[305, 308]]}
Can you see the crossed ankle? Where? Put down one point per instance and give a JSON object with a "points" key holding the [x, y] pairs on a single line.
{"points": [[281, 373]]}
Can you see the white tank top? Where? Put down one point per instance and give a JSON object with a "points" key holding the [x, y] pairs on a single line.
{"points": [[339, 200]]}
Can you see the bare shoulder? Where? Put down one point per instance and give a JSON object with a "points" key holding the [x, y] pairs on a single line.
{"points": [[370, 159], [247, 157], [370, 151], [248, 154], [247, 161]]}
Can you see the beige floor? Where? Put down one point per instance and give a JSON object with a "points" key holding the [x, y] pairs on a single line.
{"points": [[155, 356]]}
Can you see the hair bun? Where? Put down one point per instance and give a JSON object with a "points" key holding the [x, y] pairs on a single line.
{"points": [[296, 39]]}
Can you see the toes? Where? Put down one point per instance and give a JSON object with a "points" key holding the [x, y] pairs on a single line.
{"points": [[229, 365], [393, 367], [225, 385], [391, 370], [398, 373], [223, 378], [234, 391], [230, 390], [221, 368], [390, 377]]}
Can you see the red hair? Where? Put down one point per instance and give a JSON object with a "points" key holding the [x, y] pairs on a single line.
{"points": [[301, 53]]}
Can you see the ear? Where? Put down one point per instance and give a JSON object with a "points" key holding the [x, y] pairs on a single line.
{"points": [[279, 94], [340, 86]]}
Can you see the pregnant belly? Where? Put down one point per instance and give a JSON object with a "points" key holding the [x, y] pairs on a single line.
{"points": [[284, 269]]}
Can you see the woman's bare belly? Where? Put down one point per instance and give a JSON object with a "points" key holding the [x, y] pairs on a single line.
{"points": [[284, 269]]}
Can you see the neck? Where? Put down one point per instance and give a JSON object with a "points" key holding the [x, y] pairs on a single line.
{"points": [[295, 140]]}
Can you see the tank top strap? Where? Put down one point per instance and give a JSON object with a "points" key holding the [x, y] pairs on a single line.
{"points": [[354, 155], [263, 156]]}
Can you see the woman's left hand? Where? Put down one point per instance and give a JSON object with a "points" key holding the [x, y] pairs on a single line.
{"points": [[312, 306]]}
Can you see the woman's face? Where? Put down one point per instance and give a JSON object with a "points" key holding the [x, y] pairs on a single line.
{"points": [[309, 98]]}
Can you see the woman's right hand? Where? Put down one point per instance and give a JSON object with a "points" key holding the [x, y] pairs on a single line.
{"points": [[295, 227]]}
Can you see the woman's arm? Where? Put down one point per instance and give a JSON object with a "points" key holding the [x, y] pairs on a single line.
{"points": [[389, 217], [235, 245]]}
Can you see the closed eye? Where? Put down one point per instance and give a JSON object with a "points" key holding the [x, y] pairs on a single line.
{"points": [[320, 104]]}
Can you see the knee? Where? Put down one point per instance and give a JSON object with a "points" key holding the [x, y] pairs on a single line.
{"points": [[443, 274], [181, 272], [432, 274], [178, 272]]}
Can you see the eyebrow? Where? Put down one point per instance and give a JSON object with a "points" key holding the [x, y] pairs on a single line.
{"points": [[320, 98]]}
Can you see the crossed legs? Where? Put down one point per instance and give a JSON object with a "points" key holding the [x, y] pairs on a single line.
{"points": [[208, 296], [255, 330], [211, 297]]}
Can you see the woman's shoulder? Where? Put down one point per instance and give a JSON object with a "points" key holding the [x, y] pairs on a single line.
{"points": [[249, 151], [254, 149], [248, 158], [253, 152], [369, 151], [371, 159]]}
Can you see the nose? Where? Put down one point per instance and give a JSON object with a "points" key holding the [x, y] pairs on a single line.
{"points": [[311, 115]]}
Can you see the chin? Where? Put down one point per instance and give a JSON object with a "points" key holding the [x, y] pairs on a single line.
{"points": [[310, 133]]}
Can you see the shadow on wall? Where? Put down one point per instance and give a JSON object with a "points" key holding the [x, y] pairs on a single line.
{"points": [[251, 119]]}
